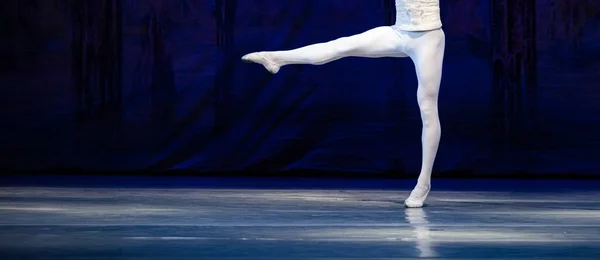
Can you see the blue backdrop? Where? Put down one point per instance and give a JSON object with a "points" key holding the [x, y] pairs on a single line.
{"points": [[158, 85]]}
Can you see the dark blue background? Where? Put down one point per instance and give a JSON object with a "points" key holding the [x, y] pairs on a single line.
{"points": [[183, 101]]}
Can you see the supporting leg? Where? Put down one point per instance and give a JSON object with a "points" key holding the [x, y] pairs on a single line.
{"points": [[428, 56], [375, 43]]}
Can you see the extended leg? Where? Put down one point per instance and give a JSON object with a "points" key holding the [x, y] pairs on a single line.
{"points": [[375, 43], [428, 56]]}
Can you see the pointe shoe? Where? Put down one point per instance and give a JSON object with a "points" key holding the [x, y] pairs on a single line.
{"points": [[417, 197], [263, 59]]}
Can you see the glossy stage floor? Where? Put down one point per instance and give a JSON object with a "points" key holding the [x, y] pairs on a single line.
{"points": [[56, 217]]}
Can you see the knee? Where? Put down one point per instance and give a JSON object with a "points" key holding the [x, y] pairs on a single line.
{"points": [[427, 99], [342, 46], [428, 107]]}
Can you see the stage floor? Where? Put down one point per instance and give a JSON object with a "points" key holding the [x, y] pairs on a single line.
{"points": [[220, 219]]}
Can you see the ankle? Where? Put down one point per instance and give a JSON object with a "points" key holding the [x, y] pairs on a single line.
{"points": [[423, 184], [270, 57]]}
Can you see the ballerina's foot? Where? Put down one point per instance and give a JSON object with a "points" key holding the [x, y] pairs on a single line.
{"points": [[263, 59], [417, 196]]}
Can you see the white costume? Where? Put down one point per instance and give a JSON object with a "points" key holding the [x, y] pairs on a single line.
{"points": [[417, 34]]}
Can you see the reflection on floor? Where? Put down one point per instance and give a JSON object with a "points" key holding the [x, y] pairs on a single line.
{"points": [[198, 218]]}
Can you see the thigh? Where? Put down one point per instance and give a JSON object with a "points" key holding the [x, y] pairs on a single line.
{"points": [[378, 42], [426, 49]]}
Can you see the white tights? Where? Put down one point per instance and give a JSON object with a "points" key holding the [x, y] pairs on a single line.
{"points": [[425, 48]]}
